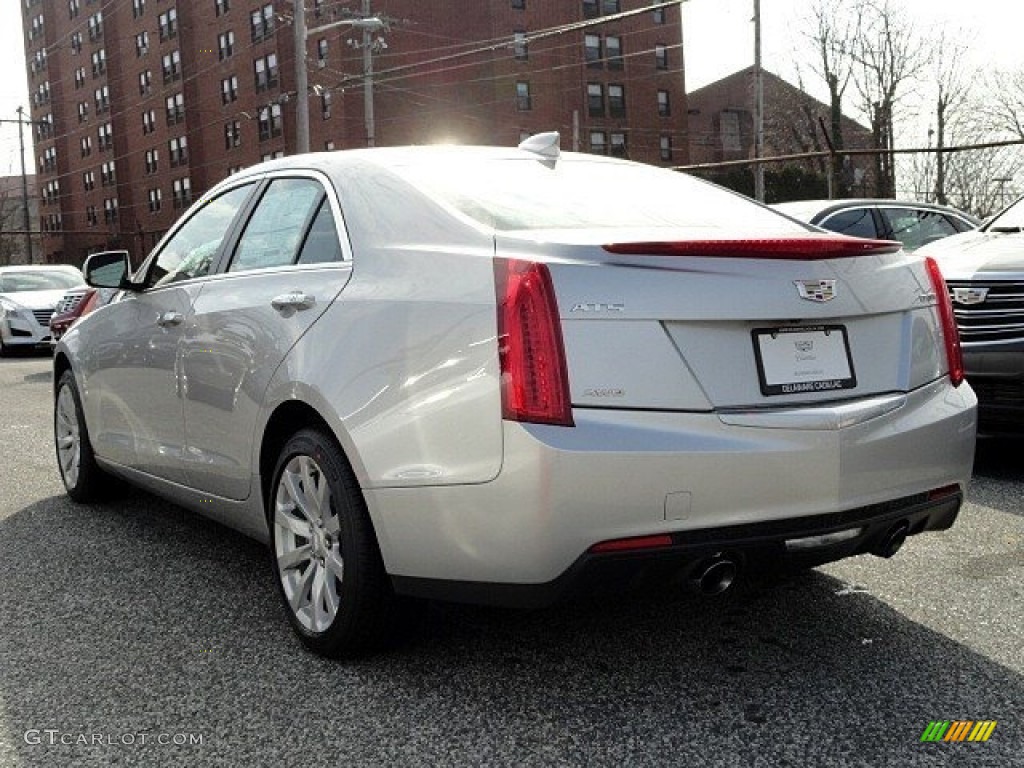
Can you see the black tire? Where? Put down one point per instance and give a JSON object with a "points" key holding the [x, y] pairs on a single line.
{"points": [[89, 482], [367, 611]]}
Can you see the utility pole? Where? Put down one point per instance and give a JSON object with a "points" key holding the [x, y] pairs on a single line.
{"points": [[758, 107], [27, 223], [367, 24]]}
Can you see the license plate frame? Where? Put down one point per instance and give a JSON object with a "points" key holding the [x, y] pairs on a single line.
{"points": [[793, 360]]}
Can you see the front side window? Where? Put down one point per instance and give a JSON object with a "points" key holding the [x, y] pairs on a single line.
{"points": [[915, 228], [191, 250], [275, 231]]}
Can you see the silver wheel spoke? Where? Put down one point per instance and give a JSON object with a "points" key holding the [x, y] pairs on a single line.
{"points": [[293, 558], [321, 617], [335, 565], [290, 522], [299, 598], [291, 484]]}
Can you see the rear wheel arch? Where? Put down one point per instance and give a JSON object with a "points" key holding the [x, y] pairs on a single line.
{"points": [[61, 363]]}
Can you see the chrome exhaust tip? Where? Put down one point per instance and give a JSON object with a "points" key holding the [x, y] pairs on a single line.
{"points": [[714, 576], [893, 540]]}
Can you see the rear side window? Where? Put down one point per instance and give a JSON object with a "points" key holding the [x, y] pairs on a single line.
{"points": [[856, 222], [276, 229]]}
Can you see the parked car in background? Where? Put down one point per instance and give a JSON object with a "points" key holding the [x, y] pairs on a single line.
{"points": [[913, 224], [503, 375], [28, 296], [74, 305], [984, 270]]}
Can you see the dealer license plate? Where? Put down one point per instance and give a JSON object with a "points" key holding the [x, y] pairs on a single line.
{"points": [[803, 359]]}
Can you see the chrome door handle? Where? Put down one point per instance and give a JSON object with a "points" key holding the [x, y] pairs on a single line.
{"points": [[170, 318], [294, 300]]}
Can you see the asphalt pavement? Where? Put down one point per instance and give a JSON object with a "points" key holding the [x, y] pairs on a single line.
{"points": [[134, 633]]}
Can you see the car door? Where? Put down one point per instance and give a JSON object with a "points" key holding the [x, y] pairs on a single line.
{"points": [[131, 361], [288, 264]]}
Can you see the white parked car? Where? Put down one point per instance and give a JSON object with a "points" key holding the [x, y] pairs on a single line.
{"points": [[500, 375], [28, 296]]}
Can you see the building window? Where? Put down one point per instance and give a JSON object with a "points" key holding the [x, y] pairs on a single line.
{"points": [[329, 146], [232, 135], [141, 44], [108, 174], [145, 83], [89, 181], [661, 56], [595, 100], [666, 148], [110, 210], [519, 5], [99, 62], [659, 15], [519, 46], [523, 101], [325, 104], [611, 6], [321, 52], [96, 26], [178, 148], [172, 66], [168, 22], [155, 198], [90, 215], [664, 105], [138, 8], [152, 160], [102, 96], [226, 44], [262, 22], [221, 6], [86, 144], [598, 143], [36, 29], [83, 111], [175, 108], [181, 192], [592, 50], [590, 9], [42, 94], [229, 89], [106, 137], [613, 51], [266, 72], [148, 122], [48, 161], [74, 6], [79, 77], [617, 144], [39, 62], [270, 122], [76, 42], [616, 100], [44, 127], [233, 169]]}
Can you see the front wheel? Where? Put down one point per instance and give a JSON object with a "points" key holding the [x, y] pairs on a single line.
{"points": [[324, 552], [83, 479]]}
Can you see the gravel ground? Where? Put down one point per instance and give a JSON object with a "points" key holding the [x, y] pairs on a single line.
{"points": [[133, 623]]}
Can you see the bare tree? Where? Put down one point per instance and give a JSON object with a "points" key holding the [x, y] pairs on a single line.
{"points": [[1004, 110], [832, 31], [888, 54], [953, 84]]}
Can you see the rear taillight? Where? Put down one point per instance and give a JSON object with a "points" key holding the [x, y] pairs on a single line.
{"points": [[950, 334], [809, 247], [534, 380]]}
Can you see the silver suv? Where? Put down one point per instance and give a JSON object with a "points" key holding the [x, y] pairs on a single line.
{"points": [[984, 270]]}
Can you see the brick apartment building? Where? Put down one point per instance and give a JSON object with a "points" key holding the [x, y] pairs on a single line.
{"points": [[142, 105], [721, 127]]}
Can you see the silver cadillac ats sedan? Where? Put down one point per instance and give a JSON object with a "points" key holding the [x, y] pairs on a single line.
{"points": [[506, 375]]}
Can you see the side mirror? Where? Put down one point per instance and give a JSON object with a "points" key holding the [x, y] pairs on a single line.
{"points": [[108, 269]]}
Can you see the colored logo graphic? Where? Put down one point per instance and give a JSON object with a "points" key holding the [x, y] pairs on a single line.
{"points": [[958, 730]]}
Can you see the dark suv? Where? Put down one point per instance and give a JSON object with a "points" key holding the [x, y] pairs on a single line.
{"points": [[984, 270], [913, 224]]}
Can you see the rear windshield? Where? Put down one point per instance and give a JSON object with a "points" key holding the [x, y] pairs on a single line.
{"points": [[524, 194], [38, 280]]}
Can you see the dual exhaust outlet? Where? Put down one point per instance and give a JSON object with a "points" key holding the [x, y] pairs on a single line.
{"points": [[717, 574]]}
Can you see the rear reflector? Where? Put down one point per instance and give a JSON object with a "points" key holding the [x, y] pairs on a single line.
{"points": [[950, 334], [810, 247], [632, 544], [943, 492], [534, 378]]}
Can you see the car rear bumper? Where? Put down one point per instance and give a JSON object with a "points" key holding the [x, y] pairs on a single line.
{"points": [[620, 474]]}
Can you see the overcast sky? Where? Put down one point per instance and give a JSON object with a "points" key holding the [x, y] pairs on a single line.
{"points": [[718, 40]]}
